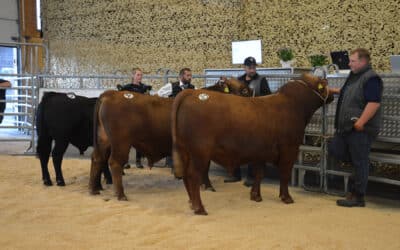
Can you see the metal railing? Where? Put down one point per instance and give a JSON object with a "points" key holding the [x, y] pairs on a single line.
{"points": [[320, 126]]}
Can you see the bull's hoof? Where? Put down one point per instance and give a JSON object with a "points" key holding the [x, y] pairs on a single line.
{"points": [[287, 199], [200, 211], [122, 198], [211, 188], [95, 192], [48, 183], [255, 197], [61, 183]]}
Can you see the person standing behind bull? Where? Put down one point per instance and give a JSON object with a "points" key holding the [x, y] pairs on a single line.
{"points": [[173, 89], [260, 87], [357, 122], [3, 84], [136, 86]]}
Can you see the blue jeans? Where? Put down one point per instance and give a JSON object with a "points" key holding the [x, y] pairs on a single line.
{"points": [[355, 147]]}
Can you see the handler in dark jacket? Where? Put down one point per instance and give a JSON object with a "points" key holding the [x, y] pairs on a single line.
{"points": [[260, 87], [136, 86], [357, 122]]}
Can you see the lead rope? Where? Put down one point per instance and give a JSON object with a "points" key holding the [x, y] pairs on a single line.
{"points": [[324, 99]]}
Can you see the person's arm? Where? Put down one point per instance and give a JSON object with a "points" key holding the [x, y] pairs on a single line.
{"points": [[264, 87], [369, 111], [5, 84], [334, 90], [165, 91], [372, 95]]}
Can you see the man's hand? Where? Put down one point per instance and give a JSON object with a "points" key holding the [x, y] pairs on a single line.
{"points": [[358, 125], [369, 111]]}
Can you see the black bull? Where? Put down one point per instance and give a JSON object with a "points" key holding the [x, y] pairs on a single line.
{"points": [[64, 118]]}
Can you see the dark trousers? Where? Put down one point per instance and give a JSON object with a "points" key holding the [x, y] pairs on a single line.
{"points": [[238, 174], [139, 156], [354, 147], [168, 161]]}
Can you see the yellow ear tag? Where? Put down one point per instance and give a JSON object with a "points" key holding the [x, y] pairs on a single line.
{"points": [[226, 90], [320, 86]]}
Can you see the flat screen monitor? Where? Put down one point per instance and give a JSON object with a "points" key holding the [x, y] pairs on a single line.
{"points": [[243, 49], [395, 63], [341, 59]]}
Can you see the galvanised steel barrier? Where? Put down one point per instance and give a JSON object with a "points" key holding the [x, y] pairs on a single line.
{"points": [[320, 127]]}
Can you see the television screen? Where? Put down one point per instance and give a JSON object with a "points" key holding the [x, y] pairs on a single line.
{"points": [[243, 49], [341, 59]]}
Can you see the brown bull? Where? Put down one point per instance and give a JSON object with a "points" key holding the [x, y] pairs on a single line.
{"points": [[124, 120], [232, 130]]}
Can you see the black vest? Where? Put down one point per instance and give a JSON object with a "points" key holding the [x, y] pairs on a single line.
{"points": [[176, 88], [141, 88], [351, 104]]}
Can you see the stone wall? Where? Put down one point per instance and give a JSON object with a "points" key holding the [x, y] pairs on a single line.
{"points": [[102, 36]]}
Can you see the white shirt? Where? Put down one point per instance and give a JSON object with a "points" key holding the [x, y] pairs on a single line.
{"points": [[166, 90]]}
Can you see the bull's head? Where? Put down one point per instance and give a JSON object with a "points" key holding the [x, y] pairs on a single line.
{"points": [[319, 86], [236, 87]]}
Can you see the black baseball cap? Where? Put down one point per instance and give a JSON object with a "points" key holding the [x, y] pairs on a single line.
{"points": [[250, 61]]}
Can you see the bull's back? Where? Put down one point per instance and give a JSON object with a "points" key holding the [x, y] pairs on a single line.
{"points": [[143, 121], [220, 125]]}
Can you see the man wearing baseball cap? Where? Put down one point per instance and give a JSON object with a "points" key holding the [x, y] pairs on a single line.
{"points": [[260, 87]]}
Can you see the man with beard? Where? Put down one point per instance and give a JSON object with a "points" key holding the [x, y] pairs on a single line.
{"points": [[260, 87], [173, 89]]}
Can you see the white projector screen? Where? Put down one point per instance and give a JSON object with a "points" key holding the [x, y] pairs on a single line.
{"points": [[243, 49]]}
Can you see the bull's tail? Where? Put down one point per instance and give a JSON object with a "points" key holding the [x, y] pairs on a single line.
{"points": [[177, 157], [96, 122], [40, 123]]}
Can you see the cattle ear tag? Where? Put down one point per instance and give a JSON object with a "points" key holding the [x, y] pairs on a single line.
{"points": [[203, 97], [128, 95], [71, 95], [226, 90], [320, 86]]}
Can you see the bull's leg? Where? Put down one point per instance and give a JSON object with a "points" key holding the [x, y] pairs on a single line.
{"points": [[119, 156], [206, 180], [187, 187], [258, 171], [43, 151], [285, 169], [105, 168], [98, 161], [194, 174], [57, 155]]}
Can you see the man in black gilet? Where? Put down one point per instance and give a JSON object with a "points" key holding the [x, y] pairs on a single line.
{"points": [[173, 89], [260, 87], [357, 123], [136, 86]]}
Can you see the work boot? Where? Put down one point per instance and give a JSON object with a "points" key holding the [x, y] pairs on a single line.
{"points": [[232, 179], [352, 200], [139, 164]]}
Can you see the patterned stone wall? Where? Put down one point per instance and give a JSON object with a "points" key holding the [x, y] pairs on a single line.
{"points": [[104, 36]]}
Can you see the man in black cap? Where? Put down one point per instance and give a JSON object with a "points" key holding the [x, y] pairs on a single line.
{"points": [[260, 87]]}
